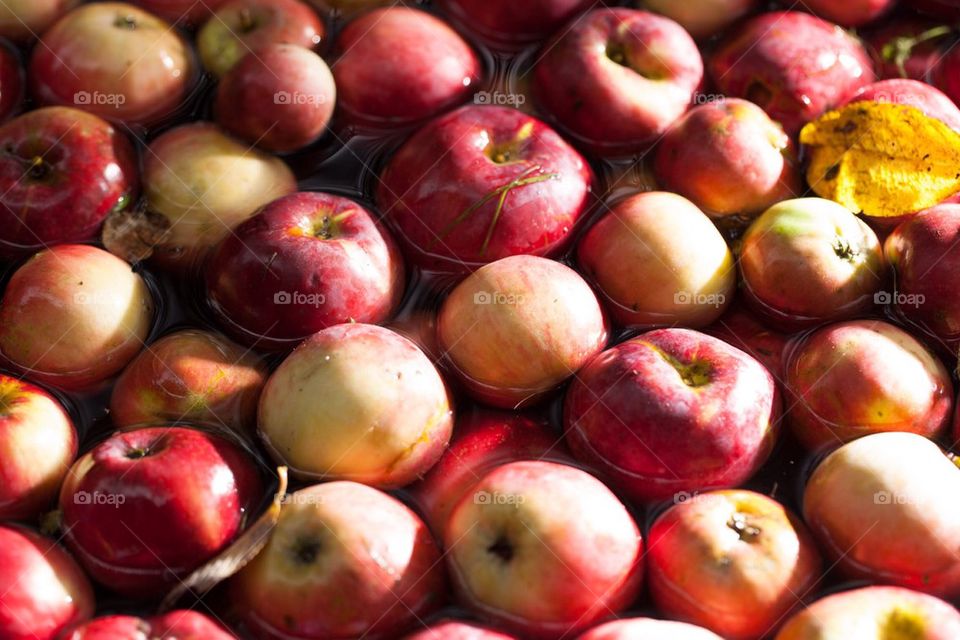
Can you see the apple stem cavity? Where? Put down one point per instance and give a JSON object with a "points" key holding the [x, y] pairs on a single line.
{"points": [[845, 250], [746, 531], [8, 394]]}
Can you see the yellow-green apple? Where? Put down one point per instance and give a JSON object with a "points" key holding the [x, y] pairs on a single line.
{"points": [[793, 65], [42, 590], [279, 97], [741, 328], [23, 21], [515, 329], [239, 27], [344, 561], [38, 443], [63, 171], [729, 158], [507, 24], [656, 259], [457, 630], [672, 411], [203, 183], [544, 549], [735, 562], [520, 189], [356, 402], [179, 624], [398, 65], [618, 78], [703, 18], [305, 262], [854, 378], [74, 315], [648, 629], [851, 13], [114, 60], [193, 375], [808, 261], [875, 613], [881, 507], [144, 508]]}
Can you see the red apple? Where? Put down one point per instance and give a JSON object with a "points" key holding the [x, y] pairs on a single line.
{"points": [[807, 261], [504, 23], [23, 21], [175, 625], [344, 561], [850, 379], [356, 402], [702, 18], [882, 508], [516, 328], [192, 375], [482, 440], [735, 562], [306, 262], [203, 183], [911, 93], [11, 81], [480, 184], [144, 508], [875, 613], [656, 259], [672, 411], [114, 60], [279, 97], [400, 65], [648, 629], [741, 329], [241, 26], [946, 75], [850, 13], [73, 316], [38, 443], [729, 158], [618, 78], [544, 549], [793, 65], [42, 590], [182, 12], [908, 47], [455, 630], [922, 253], [63, 172]]}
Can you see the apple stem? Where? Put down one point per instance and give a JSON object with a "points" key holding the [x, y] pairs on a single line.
{"points": [[746, 531], [899, 49]]}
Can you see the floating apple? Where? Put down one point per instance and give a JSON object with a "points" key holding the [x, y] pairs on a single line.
{"points": [[648, 629], [504, 23], [681, 411], [702, 18], [178, 625], [74, 315], [544, 549], [357, 402], [24, 20], [344, 561], [181, 12], [852, 13], [658, 260]]}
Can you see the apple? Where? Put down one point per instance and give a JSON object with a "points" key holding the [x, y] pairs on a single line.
{"points": [[38, 443], [729, 158], [306, 262], [911, 93], [543, 549], [188, 13], [648, 629], [513, 186], [24, 20], [192, 375], [793, 65], [881, 508], [239, 27], [741, 328], [11, 81], [656, 259], [483, 439], [921, 251], [507, 24], [344, 561], [908, 47], [672, 411], [202, 183], [280, 98], [618, 78], [356, 402], [144, 508], [875, 613], [73, 316], [850, 13], [63, 172], [853, 378], [735, 562], [517, 328], [807, 261], [116, 61], [42, 590], [946, 75], [456, 630], [399, 65], [703, 18], [176, 625]]}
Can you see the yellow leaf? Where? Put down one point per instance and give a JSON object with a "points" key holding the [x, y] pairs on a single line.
{"points": [[882, 159]]}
